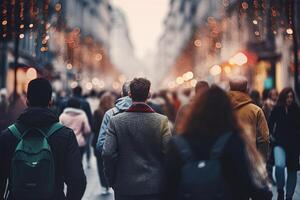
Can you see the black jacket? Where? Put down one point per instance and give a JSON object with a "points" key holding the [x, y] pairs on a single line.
{"points": [[285, 127], [67, 159], [235, 167]]}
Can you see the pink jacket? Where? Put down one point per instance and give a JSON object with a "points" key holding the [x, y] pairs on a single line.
{"points": [[76, 120]]}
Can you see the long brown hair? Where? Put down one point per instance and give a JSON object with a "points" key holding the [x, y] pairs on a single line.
{"points": [[283, 96], [211, 113]]}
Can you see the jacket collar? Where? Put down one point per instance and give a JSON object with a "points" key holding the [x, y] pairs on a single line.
{"points": [[140, 107], [34, 116], [73, 110]]}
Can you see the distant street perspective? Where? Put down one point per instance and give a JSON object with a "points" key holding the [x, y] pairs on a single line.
{"points": [[149, 99]]}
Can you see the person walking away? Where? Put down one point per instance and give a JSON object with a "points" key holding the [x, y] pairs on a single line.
{"points": [[93, 100], [270, 102], [4, 118], [200, 88], [284, 127], [255, 96], [121, 105], [76, 119], [85, 106], [135, 146], [56, 159], [250, 115], [211, 159], [106, 103]]}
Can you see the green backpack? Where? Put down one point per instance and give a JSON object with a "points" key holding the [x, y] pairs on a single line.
{"points": [[32, 166]]}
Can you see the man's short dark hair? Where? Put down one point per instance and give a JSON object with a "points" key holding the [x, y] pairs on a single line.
{"points": [[77, 91], [125, 89], [39, 92], [73, 103], [139, 89]]}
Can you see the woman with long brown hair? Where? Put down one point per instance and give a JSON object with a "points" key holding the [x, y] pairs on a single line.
{"points": [[284, 128], [211, 119]]}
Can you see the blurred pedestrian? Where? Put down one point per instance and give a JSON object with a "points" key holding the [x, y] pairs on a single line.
{"points": [[211, 159], [93, 100], [168, 107], [106, 103], [47, 163], [134, 148], [121, 105], [255, 96], [284, 126], [200, 88], [250, 115], [270, 102], [4, 118], [176, 102], [85, 106], [75, 118]]}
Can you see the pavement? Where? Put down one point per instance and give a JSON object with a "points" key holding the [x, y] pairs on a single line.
{"points": [[93, 189]]}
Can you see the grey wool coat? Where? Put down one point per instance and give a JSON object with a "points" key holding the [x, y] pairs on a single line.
{"points": [[133, 153]]}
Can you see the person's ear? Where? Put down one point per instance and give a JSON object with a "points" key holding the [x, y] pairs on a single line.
{"points": [[129, 94], [149, 95]]}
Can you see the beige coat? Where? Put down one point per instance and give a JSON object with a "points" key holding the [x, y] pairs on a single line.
{"points": [[252, 119]]}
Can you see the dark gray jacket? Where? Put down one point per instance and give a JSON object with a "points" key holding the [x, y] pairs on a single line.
{"points": [[134, 152]]}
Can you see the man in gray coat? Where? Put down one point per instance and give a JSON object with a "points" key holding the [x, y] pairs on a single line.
{"points": [[135, 147]]}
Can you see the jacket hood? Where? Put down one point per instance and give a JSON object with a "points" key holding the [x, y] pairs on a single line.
{"points": [[123, 103], [239, 99], [74, 111], [37, 117]]}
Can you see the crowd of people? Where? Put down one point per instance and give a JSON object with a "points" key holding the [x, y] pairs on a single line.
{"points": [[203, 143]]}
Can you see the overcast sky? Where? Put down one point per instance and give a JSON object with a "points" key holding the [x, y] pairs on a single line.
{"points": [[145, 21]]}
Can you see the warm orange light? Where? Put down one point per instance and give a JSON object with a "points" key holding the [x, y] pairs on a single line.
{"points": [[179, 80], [215, 70], [89, 86], [69, 66], [98, 57], [289, 31], [197, 43], [227, 69], [240, 59]]}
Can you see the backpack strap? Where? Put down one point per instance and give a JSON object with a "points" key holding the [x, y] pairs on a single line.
{"points": [[14, 130], [219, 145], [183, 148], [53, 128]]}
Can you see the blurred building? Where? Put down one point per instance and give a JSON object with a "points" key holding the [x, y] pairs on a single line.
{"points": [[68, 41], [217, 39]]}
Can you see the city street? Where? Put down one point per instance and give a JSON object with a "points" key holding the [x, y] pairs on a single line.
{"points": [[93, 191], [200, 69]]}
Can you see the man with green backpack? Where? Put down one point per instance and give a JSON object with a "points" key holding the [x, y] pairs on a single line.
{"points": [[38, 155]]}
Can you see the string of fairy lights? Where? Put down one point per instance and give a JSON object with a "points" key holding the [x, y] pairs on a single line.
{"points": [[21, 17], [255, 13]]}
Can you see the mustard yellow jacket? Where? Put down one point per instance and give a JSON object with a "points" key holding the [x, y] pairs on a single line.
{"points": [[252, 119]]}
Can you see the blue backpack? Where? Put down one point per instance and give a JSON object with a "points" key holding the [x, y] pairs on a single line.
{"points": [[201, 179]]}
